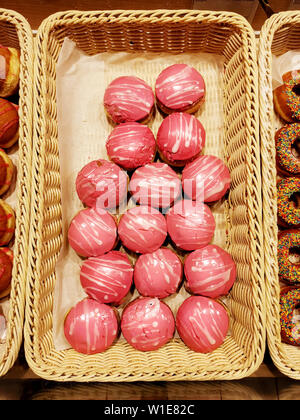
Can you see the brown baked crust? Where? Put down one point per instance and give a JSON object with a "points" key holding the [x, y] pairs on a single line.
{"points": [[7, 223], [284, 98], [6, 172], [190, 109], [9, 123], [9, 85]]}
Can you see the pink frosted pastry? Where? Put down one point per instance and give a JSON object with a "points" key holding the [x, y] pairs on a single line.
{"points": [[91, 327], [180, 138], [92, 232], [202, 324], [155, 184], [142, 229], [102, 184], [191, 224], [158, 274], [107, 278], [209, 271], [129, 98], [207, 178], [179, 88], [147, 324], [131, 145]]}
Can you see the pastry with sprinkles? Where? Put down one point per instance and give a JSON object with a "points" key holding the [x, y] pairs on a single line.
{"points": [[180, 88], [288, 259], [287, 97], [288, 205], [290, 326], [287, 141], [129, 98]]}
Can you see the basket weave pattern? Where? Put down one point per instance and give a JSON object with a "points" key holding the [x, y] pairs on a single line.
{"points": [[279, 34], [15, 32], [154, 31]]}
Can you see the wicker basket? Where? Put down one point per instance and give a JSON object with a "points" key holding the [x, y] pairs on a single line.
{"points": [[154, 31], [280, 33], [15, 32]]}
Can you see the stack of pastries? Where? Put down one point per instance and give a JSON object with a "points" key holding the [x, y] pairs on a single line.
{"points": [[166, 230], [287, 143]]}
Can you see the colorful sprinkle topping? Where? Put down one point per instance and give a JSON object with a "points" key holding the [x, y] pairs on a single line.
{"points": [[287, 209], [290, 329], [285, 137], [293, 101], [288, 272]]}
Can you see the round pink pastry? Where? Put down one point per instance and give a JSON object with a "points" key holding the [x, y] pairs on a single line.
{"points": [[91, 327], [131, 145], [209, 271], [102, 184], [155, 184], [142, 229], [128, 98], [92, 232], [180, 88], [158, 274], [191, 224], [107, 278], [180, 138], [206, 178], [202, 324], [147, 324]]}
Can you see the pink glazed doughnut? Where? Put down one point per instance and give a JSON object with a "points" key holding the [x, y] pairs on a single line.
{"points": [[202, 324], [92, 232], [147, 324], [142, 229], [158, 274], [129, 98], [102, 183], [180, 138], [207, 178], [91, 327], [155, 185], [131, 145], [209, 271], [191, 224], [107, 278], [179, 88]]}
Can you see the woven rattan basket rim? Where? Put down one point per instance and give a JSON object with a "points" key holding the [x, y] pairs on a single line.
{"points": [[278, 350], [38, 362], [18, 285]]}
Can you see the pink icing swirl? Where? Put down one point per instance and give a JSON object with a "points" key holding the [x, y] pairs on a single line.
{"points": [[209, 271], [191, 224], [158, 274], [155, 184], [206, 178], [147, 324], [102, 183], [107, 278], [91, 327], [202, 324], [180, 138], [131, 145], [92, 232], [128, 98], [179, 86], [142, 229]]}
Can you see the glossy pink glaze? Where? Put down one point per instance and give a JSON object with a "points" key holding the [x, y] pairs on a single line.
{"points": [[102, 184], [131, 145], [92, 232], [155, 184], [91, 327], [158, 274], [206, 178], [107, 278], [179, 87], [202, 324], [128, 98], [142, 229], [191, 224], [209, 271], [147, 324], [180, 138]]}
